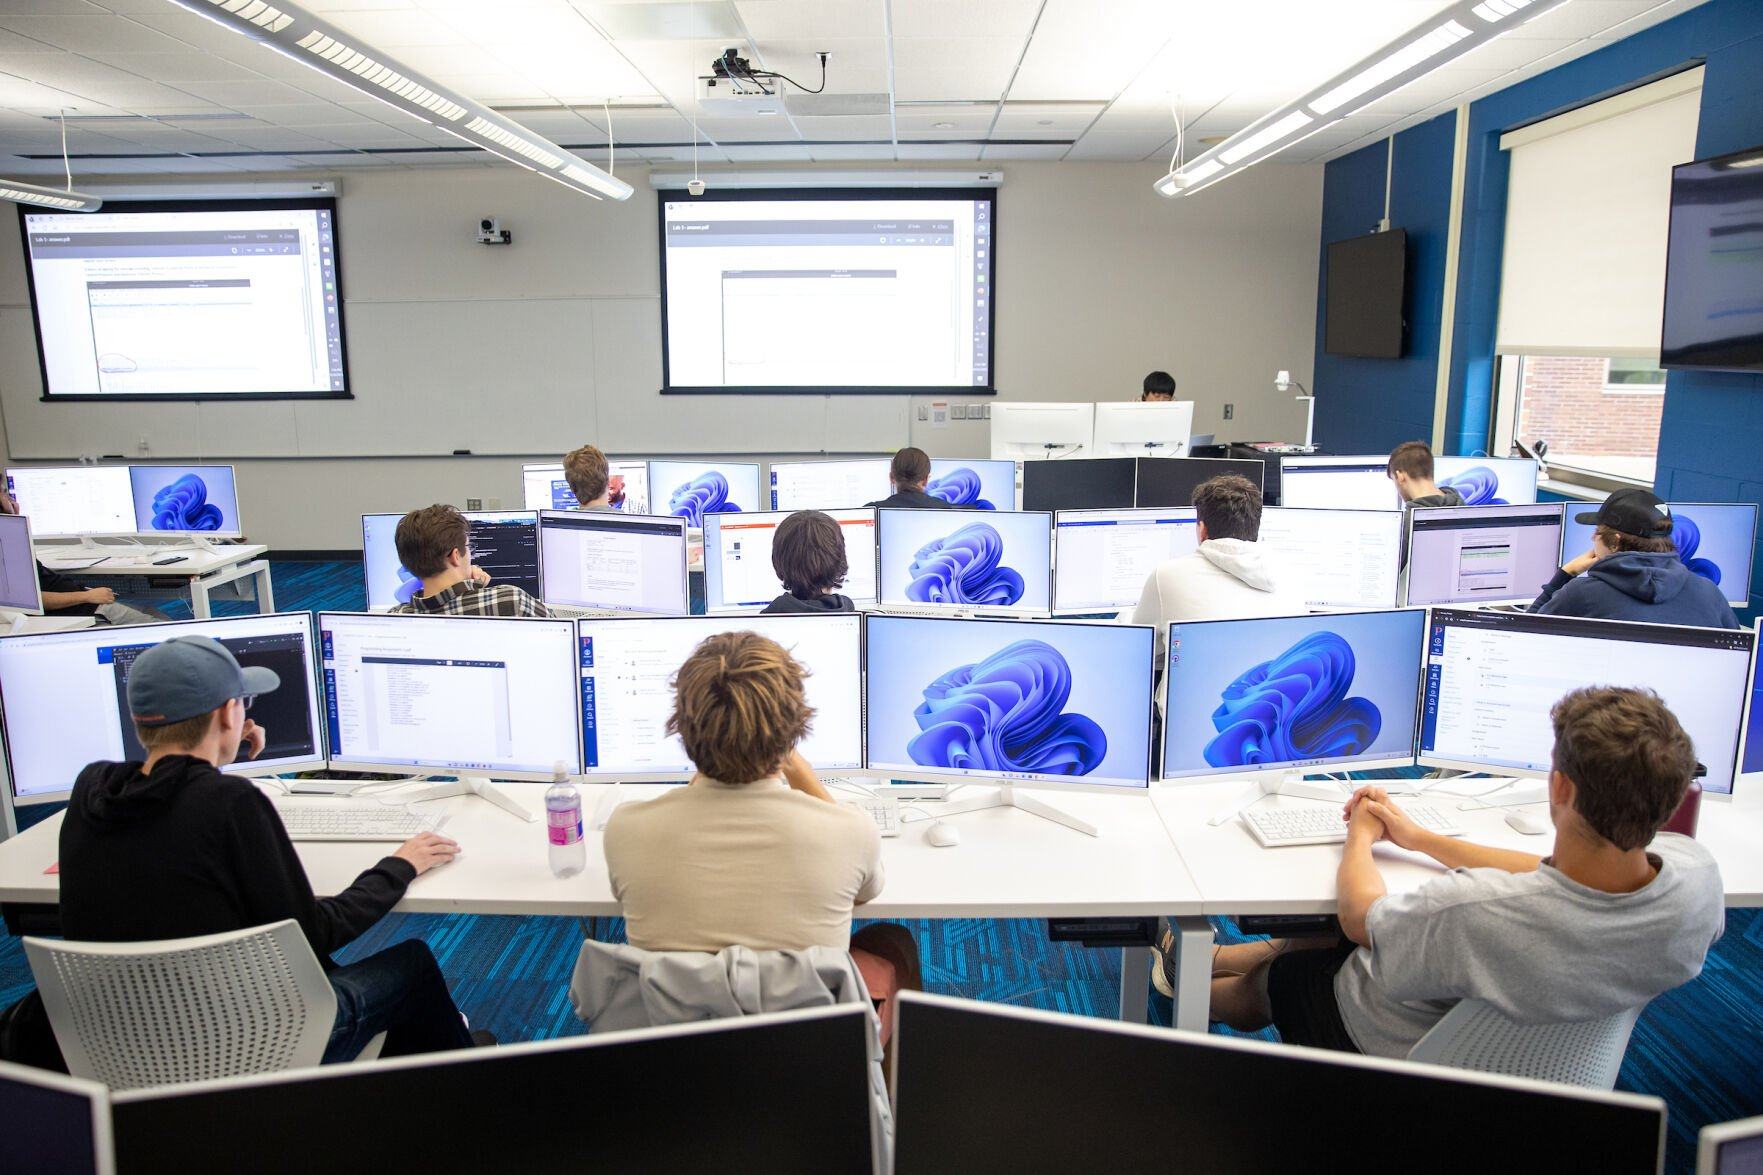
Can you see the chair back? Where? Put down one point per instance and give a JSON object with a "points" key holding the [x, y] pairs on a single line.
{"points": [[141, 1014], [1475, 1035]]}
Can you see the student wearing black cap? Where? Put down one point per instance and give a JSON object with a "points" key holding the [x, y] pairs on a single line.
{"points": [[173, 848], [1633, 571]]}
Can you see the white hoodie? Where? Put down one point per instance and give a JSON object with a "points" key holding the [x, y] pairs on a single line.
{"points": [[1225, 579]]}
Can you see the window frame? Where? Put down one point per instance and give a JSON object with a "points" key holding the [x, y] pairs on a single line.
{"points": [[1571, 480], [1631, 389]]}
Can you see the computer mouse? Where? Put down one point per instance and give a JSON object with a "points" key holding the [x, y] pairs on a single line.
{"points": [[1529, 823], [943, 836]]}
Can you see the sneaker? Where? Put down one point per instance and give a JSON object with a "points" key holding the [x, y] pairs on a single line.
{"points": [[1163, 960]]}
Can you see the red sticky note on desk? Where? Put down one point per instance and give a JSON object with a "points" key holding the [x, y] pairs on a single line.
{"points": [[55, 868]]}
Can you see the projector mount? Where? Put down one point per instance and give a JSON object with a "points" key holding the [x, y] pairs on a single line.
{"points": [[750, 82]]}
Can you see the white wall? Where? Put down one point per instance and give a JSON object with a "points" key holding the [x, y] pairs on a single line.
{"points": [[528, 350]]}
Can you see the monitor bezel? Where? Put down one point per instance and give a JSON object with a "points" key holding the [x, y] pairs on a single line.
{"points": [[233, 478], [959, 611], [915, 774], [862, 603], [321, 732], [686, 774], [1750, 548], [95, 1094], [1368, 763], [1716, 1135], [1059, 607], [1409, 517], [404, 767], [618, 518]]}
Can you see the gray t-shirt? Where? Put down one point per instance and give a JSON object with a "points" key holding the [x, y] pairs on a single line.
{"points": [[1539, 946]]}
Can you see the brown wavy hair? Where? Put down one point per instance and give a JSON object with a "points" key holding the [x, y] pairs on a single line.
{"points": [[739, 706]]}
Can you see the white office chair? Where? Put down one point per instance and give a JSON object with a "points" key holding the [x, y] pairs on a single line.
{"points": [[1475, 1035], [139, 1014]]}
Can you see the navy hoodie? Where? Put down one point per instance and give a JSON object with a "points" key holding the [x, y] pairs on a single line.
{"points": [[1635, 585]]}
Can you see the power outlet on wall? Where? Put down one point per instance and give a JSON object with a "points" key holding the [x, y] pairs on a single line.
{"points": [[474, 503], [1230, 411]]}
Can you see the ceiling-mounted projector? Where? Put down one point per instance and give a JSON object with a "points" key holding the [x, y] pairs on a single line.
{"points": [[733, 86]]}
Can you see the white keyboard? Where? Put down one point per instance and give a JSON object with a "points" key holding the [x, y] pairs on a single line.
{"points": [[884, 810], [352, 820], [1278, 828]]}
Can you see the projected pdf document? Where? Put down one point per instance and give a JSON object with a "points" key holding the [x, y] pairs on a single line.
{"points": [[829, 293], [195, 302]]}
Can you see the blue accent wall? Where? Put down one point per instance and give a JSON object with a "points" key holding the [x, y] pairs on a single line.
{"points": [[1372, 405]]}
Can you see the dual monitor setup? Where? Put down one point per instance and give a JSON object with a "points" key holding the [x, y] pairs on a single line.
{"points": [[1042, 704], [129, 501]]}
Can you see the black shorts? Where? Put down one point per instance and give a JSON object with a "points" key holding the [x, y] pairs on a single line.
{"points": [[1300, 989]]}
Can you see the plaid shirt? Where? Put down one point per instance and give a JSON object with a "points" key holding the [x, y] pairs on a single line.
{"points": [[469, 598]]}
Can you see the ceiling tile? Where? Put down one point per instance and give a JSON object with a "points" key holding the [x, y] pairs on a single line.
{"points": [[905, 151], [967, 18], [92, 34], [1100, 144], [1025, 151], [769, 153], [785, 20], [1091, 49], [871, 152]]}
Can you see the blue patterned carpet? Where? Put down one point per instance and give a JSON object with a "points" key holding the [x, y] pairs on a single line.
{"points": [[1700, 1048]]}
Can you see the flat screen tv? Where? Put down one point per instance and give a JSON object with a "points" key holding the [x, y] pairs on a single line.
{"points": [[1714, 265], [1366, 279]]}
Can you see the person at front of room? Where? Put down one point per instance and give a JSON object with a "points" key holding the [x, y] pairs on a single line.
{"points": [[754, 852], [1411, 468], [433, 544], [63, 595], [589, 478], [808, 554], [1159, 388], [908, 475], [1633, 571], [1617, 914], [173, 848]]}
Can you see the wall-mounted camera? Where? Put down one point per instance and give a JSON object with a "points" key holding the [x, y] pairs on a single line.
{"points": [[491, 232]]}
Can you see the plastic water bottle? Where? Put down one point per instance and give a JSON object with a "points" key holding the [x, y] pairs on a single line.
{"points": [[563, 824]]}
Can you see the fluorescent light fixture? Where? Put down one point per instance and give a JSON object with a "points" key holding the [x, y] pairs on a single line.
{"points": [[60, 199], [1461, 28], [786, 178], [296, 33]]}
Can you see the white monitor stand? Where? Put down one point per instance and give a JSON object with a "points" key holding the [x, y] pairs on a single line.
{"points": [[1038, 431], [431, 789], [1295, 785], [1007, 795]]}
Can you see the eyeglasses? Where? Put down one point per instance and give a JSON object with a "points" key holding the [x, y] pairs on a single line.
{"points": [[245, 700]]}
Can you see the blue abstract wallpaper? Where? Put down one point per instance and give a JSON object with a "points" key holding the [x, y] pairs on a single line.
{"points": [[998, 560], [1480, 486], [962, 487], [197, 499]]}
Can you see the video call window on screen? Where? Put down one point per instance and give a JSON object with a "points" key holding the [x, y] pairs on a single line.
{"points": [[543, 487]]}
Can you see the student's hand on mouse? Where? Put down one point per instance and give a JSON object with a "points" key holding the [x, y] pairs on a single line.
{"points": [[478, 575], [253, 739], [1398, 827], [99, 595], [425, 850], [1581, 564]]}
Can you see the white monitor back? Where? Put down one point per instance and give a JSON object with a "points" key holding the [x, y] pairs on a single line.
{"points": [[1031, 431], [1144, 430]]}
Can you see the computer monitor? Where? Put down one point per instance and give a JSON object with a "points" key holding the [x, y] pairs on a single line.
{"points": [[1716, 540], [64, 700], [490, 696], [1488, 481], [1134, 429], [827, 485], [692, 489], [1171, 481], [979, 484], [1492, 677], [1032, 431], [1340, 558], [1481, 554], [1338, 483], [627, 668], [543, 487], [76, 500], [504, 543], [614, 562], [19, 591], [55, 1125], [738, 575], [1291, 693], [503, 1106], [1751, 759], [953, 1113], [1102, 558], [200, 500], [1001, 562], [1049, 704], [1731, 1148], [1093, 483]]}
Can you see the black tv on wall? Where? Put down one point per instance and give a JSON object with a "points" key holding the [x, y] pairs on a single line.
{"points": [[1714, 265], [1363, 303]]}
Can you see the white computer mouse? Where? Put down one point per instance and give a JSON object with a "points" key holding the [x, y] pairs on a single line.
{"points": [[943, 835], [1529, 823]]}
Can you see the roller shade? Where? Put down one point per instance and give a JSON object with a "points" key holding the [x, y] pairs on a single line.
{"points": [[1587, 214]]}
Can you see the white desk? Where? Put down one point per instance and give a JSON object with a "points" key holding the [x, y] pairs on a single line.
{"points": [[203, 570], [1009, 865]]}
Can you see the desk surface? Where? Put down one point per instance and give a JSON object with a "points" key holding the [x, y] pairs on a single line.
{"points": [[1009, 864], [195, 561]]}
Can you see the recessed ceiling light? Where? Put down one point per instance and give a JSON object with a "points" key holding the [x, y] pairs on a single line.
{"points": [[1043, 122], [942, 126]]}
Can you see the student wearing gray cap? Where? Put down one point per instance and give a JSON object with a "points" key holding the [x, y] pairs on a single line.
{"points": [[173, 848]]}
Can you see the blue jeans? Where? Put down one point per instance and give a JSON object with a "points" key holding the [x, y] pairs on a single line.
{"points": [[401, 992]]}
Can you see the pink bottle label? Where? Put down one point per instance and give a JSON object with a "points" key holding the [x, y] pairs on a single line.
{"points": [[565, 827]]}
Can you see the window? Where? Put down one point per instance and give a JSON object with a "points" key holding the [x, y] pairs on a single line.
{"points": [[1599, 416], [1633, 377]]}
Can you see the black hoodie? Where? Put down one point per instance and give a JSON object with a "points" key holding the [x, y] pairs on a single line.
{"points": [[187, 851], [831, 602]]}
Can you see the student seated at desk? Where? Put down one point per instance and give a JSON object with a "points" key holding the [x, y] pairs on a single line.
{"points": [[1633, 571], [434, 543], [1411, 468], [590, 480], [63, 596], [754, 852], [1618, 913], [1159, 388], [908, 474], [174, 848], [808, 554]]}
